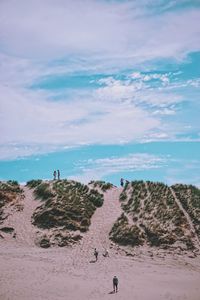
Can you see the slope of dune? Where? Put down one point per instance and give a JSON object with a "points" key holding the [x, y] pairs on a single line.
{"points": [[11, 202], [153, 215], [65, 212]]}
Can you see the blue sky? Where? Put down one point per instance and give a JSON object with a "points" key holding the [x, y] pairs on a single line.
{"points": [[100, 90]]}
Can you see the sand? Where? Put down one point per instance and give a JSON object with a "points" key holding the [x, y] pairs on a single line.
{"points": [[28, 272]]}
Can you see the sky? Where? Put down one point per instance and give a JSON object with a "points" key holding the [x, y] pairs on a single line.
{"points": [[100, 89]]}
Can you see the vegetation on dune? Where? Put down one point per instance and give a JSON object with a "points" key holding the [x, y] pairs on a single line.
{"points": [[135, 197], [104, 186], [123, 196], [10, 194], [150, 213], [189, 197], [10, 186], [96, 198], [124, 234], [155, 217], [70, 204], [13, 183], [33, 183], [57, 237], [42, 191]]}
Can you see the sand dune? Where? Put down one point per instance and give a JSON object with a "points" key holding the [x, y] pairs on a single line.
{"points": [[29, 272]]}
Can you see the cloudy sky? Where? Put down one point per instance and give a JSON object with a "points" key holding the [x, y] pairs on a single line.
{"points": [[100, 89]]}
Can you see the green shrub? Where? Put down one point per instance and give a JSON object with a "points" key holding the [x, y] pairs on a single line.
{"points": [[123, 196], [125, 235], [96, 198], [153, 237], [102, 185], [43, 192], [33, 183], [13, 182], [10, 187]]}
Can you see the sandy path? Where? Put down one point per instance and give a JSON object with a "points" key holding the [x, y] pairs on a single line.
{"points": [[196, 238], [28, 274], [101, 224]]}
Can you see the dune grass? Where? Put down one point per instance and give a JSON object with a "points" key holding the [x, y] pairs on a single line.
{"points": [[10, 194], [67, 203], [189, 197], [104, 186], [156, 218], [33, 183]]}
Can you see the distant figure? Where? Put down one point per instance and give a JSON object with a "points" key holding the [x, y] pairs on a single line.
{"points": [[96, 254], [122, 182], [106, 254], [54, 175], [58, 172], [115, 284], [127, 182]]}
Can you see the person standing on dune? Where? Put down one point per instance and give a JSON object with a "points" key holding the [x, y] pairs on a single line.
{"points": [[54, 175], [58, 172]]}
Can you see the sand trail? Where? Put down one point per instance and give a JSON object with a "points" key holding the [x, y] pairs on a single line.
{"points": [[101, 224]]}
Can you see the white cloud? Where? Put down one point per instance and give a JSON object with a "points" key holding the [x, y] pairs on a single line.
{"points": [[164, 111], [138, 91], [156, 136], [164, 78], [98, 168], [113, 30], [41, 38], [194, 82], [119, 111], [28, 118]]}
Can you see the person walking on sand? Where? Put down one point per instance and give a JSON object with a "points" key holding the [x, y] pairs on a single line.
{"points": [[54, 175], [96, 254], [58, 172], [115, 284]]}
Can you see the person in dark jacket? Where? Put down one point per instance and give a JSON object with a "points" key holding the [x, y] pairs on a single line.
{"points": [[115, 284], [96, 254]]}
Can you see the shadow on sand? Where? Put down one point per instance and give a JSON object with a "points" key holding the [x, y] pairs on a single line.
{"points": [[112, 292]]}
